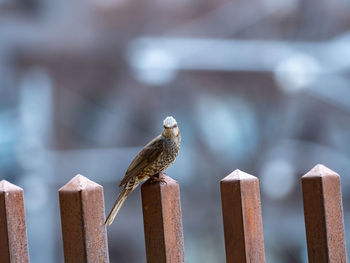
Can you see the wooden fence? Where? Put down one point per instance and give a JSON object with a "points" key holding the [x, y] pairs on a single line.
{"points": [[85, 238]]}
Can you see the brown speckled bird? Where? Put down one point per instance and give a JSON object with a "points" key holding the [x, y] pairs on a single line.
{"points": [[153, 159]]}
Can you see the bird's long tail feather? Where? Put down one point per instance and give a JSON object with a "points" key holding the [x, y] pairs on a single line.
{"points": [[118, 204]]}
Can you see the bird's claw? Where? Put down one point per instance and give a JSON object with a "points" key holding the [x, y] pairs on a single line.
{"points": [[162, 181], [158, 178]]}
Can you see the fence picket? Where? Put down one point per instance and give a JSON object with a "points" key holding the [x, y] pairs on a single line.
{"points": [[13, 233], [323, 211], [242, 218], [82, 218], [163, 221]]}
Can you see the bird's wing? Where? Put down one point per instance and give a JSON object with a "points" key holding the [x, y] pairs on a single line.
{"points": [[147, 155]]}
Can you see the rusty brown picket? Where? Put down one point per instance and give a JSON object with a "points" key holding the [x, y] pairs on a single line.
{"points": [[323, 211], [85, 238], [241, 211], [82, 218], [163, 221], [13, 234]]}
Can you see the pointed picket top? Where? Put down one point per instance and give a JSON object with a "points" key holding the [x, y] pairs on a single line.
{"points": [[320, 171], [79, 183], [6, 186], [238, 175], [169, 180]]}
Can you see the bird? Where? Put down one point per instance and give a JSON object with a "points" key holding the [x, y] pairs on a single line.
{"points": [[158, 155]]}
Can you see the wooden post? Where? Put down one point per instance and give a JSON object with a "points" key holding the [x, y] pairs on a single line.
{"points": [[163, 221], [241, 210], [13, 235], [82, 219], [323, 211]]}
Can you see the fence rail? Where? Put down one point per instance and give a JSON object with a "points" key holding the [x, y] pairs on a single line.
{"points": [[85, 236]]}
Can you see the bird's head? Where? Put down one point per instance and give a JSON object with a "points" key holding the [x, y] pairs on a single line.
{"points": [[170, 128]]}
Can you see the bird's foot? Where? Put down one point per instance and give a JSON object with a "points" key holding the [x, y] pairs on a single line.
{"points": [[159, 177]]}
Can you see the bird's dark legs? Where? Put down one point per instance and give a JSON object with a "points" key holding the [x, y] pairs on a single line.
{"points": [[159, 177]]}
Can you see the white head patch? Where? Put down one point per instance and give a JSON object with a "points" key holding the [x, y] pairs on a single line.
{"points": [[169, 122]]}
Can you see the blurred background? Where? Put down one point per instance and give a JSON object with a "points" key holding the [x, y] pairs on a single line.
{"points": [[262, 86]]}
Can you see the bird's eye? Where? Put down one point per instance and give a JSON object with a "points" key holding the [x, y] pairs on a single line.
{"points": [[167, 127]]}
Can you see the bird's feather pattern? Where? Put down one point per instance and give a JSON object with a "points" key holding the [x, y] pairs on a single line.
{"points": [[143, 159]]}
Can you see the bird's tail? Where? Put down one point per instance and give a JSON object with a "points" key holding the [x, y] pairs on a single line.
{"points": [[118, 204]]}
